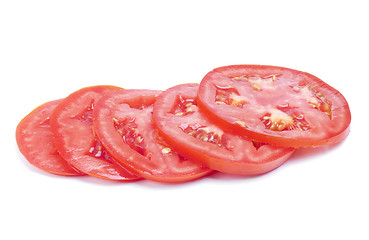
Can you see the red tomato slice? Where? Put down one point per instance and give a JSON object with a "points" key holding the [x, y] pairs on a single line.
{"points": [[123, 123], [75, 139], [191, 134], [35, 142], [276, 105]]}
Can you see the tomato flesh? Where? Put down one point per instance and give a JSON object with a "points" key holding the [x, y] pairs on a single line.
{"points": [[276, 105], [192, 134], [124, 124], [75, 138], [35, 142]]}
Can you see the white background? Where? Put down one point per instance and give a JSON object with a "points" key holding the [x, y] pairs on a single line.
{"points": [[49, 49]]}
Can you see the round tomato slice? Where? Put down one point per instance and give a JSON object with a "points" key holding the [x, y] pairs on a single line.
{"points": [[75, 139], [123, 122], [276, 105], [189, 131], [35, 142]]}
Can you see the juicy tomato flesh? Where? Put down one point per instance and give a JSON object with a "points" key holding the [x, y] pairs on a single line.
{"points": [[124, 124], [275, 105], [35, 142], [193, 135], [75, 139]]}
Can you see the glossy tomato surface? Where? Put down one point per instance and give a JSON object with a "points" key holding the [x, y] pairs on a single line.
{"points": [[193, 135], [35, 142], [124, 124], [75, 139], [276, 105]]}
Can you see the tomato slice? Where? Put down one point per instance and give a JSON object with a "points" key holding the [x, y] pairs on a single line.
{"points": [[276, 105], [75, 139], [35, 142], [124, 125], [189, 131]]}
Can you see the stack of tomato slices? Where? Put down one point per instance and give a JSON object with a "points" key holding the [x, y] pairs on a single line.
{"points": [[241, 119]]}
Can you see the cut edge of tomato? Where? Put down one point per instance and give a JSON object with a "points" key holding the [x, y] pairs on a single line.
{"points": [[69, 170], [234, 167], [163, 178], [273, 140], [124, 175], [121, 158], [265, 138], [176, 179], [211, 160]]}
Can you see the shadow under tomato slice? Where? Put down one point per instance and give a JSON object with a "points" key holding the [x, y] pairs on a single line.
{"points": [[123, 122], [277, 105], [75, 139], [35, 142], [190, 132]]}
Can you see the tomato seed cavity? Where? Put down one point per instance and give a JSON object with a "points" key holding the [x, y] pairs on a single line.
{"points": [[98, 151], [316, 99], [207, 134], [257, 82], [185, 106], [229, 96], [283, 118], [127, 129]]}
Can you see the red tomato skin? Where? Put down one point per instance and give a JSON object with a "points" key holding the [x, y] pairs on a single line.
{"points": [[270, 137], [67, 136], [122, 153], [35, 142], [211, 159]]}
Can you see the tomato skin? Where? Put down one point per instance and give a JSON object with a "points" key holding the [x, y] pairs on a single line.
{"points": [[35, 142], [136, 105], [300, 86], [75, 139], [243, 158]]}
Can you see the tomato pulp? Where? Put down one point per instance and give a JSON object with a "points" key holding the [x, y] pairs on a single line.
{"points": [[75, 139], [124, 125], [276, 105], [35, 142], [191, 133]]}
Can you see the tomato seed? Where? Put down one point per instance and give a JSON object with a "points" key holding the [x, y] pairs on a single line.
{"points": [[166, 150], [242, 124]]}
